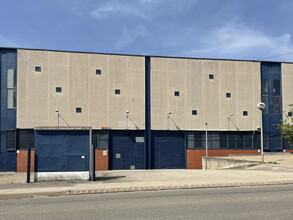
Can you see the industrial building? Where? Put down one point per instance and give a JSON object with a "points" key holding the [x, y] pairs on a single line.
{"points": [[140, 112]]}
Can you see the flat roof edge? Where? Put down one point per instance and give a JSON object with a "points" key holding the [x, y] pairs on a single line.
{"points": [[143, 55], [62, 128]]}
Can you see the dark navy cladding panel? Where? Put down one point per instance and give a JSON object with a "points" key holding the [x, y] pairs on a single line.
{"points": [[8, 60], [49, 151], [77, 163], [78, 157], [271, 72], [10, 119], [8, 162], [148, 145], [57, 150], [125, 152], [168, 150]]}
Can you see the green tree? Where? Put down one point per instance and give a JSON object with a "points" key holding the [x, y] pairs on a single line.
{"points": [[286, 127]]}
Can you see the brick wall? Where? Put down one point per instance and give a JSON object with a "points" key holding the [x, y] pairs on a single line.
{"points": [[101, 157], [194, 157], [21, 161]]}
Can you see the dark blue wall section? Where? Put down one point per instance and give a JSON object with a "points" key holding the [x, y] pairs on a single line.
{"points": [[271, 118], [8, 162], [8, 60], [148, 139], [61, 150], [168, 150], [126, 150]]}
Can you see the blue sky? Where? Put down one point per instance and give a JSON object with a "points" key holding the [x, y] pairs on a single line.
{"points": [[230, 29]]}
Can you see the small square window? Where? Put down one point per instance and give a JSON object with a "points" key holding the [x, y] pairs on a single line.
{"points": [[58, 89], [289, 114], [245, 113], [176, 93], [228, 95], [38, 69], [194, 112], [117, 91], [211, 76], [78, 110], [98, 72]]}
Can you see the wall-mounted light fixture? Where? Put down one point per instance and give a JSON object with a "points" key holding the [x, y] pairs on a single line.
{"points": [[127, 115], [56, 110], [231, 114], [60, 116], [168, 117]]}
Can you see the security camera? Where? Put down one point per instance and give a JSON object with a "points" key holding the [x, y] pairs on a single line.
{"points": [[169, 113], [231, 114], [261, 106], [258, 128], [56, 110], [127, 112]]}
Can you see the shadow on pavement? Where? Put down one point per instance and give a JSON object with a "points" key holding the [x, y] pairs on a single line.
{"points": [[108, 178]]}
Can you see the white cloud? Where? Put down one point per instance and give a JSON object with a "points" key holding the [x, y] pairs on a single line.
{"points": [[129, 35], [174, 29], [119, 9], [236, 40], [144, 9], [78, 7]]}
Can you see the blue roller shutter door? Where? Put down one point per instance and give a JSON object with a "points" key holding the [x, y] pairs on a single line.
{"points": [[168, 150]]}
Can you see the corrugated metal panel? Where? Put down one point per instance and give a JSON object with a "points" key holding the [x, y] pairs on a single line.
{"points": [[57, 150], [168, 150]]}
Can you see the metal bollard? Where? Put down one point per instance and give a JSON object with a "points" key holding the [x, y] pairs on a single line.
{"points": [[93, 175], [28, 171]]}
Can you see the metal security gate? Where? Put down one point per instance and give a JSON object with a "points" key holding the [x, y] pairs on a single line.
{"points": [[168, 150], [127, 150], [61, 150]]}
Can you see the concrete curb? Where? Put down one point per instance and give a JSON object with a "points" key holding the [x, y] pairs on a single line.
{"points": [[136, 189]]}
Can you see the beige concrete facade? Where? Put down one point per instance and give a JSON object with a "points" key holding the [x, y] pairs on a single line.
{"points": [[37, 98], [287, 88], [81, 87], [208, 96]]}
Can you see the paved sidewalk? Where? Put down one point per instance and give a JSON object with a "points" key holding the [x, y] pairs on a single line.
{"points": [[283, 159], [142, 180]]}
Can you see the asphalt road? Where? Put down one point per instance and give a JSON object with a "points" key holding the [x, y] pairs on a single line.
{"points": [[266, 202]]}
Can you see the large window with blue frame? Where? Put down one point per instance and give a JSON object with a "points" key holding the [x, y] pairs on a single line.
{"points": [[100, 139], [11, 88], [223, 139], [19, 139], [10, 140], [288, 146], [25, 139]]}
